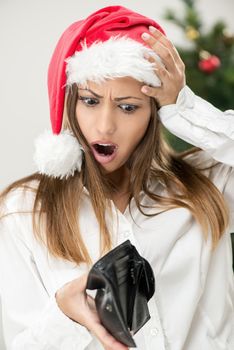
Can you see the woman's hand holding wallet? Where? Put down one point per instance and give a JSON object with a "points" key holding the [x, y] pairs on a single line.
{"points": [[80, 307], [125, 282]]}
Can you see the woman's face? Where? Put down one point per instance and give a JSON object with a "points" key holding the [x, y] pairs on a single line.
{"points": [[113, 117]]}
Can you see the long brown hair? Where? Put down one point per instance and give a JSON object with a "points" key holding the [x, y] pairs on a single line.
{"points": [[152, 160]]}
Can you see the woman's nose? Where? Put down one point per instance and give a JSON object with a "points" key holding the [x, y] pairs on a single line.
{"points": [[106, 124]]}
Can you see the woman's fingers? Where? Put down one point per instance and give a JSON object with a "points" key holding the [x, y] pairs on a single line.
{"points": [[107, 340], [161, 71], [166, 42], [171, 71], [94, 325], [150, 91], [74, 301], [162, 51]]}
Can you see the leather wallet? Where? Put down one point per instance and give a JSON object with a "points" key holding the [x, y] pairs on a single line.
{"points": [[125, 282]]}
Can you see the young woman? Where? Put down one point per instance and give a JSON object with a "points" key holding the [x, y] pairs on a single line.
{"points": [[106, 175]]}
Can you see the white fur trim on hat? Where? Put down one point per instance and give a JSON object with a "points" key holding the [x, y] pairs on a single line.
{"points": [[57, 155], [115, 58]]}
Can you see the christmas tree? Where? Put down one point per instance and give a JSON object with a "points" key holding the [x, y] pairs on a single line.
{"points": [[209, 63], [209, 60]]}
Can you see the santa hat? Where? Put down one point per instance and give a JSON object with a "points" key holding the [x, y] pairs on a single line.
{"points": [[105, 45]]}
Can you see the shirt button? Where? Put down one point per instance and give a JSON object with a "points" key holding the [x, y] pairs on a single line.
{"points": [[154, 331]]}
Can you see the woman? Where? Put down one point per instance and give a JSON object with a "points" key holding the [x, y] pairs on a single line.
{"points": [[109, 176]]}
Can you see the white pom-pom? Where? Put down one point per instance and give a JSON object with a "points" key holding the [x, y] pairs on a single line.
{"points": [[57, 155]]}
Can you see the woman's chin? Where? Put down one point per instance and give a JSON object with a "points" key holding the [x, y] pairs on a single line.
{"points": [[112, 168]]}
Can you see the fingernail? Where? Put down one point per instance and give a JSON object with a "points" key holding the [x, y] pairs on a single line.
{"points": [[152, 29], [146, 55], [145, 36], [145, 89]]}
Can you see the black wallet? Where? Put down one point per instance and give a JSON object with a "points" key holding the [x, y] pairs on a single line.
{"points": [[125, 282]]}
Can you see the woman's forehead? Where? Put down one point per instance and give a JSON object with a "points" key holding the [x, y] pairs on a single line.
{"points": [[117, 87]]}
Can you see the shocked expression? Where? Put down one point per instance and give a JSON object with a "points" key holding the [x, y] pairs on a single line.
{"points": [[113, 117]]}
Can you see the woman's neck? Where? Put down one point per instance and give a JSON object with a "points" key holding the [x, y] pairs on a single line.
{"points": [[120, 178]]}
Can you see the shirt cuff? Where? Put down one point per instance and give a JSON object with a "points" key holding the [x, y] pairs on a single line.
{"points": [[185, 100]]}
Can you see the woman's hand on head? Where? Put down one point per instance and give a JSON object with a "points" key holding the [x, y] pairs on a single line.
{"points": [[74, 302], [171, 71]]}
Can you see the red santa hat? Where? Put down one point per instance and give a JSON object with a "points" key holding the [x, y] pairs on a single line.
{"points": [[105, 45]]}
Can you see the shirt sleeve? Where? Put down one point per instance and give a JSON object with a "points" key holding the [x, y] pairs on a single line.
{"points": [[30, 316], [199, 123], [195, 294]]}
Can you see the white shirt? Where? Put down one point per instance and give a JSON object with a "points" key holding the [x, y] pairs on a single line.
{"points": [[193, 305]]}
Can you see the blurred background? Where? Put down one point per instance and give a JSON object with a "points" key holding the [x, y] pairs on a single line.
{"points": [[202, 30]]}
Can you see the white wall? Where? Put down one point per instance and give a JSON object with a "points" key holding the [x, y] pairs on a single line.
{"points": [[29, 30]]}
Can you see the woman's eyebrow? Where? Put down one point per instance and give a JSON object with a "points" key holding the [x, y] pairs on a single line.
{"points": [[115, 99]]}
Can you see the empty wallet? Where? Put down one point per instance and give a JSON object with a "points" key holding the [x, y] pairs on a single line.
{"points": [[125, 282]]}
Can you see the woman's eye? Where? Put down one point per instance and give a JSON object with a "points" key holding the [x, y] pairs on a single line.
{"points": [[127, 108], [89, 101]]}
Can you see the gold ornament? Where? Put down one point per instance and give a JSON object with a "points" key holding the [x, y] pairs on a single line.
{"points": [[228, 37], [204, 55], [191, 33]]}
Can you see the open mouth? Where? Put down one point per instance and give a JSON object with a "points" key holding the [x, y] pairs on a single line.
{"points": [[104, 152], [104, 149]]}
